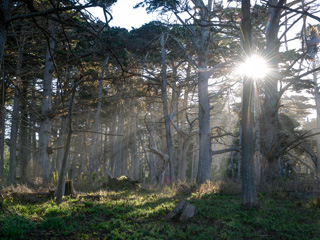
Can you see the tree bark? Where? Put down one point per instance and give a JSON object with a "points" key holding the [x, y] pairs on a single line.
{"points": [[61, 182], [249, 194], [5, 14], [269, 127], [14, 137], [3, 119], [204, 167], [317, 100], [24, 134], [166, 110], [93, 164], [119, 143], [45, 124], [15, 117]]}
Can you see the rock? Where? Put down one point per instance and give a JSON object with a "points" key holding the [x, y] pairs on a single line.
{"points": [[183, 212]]}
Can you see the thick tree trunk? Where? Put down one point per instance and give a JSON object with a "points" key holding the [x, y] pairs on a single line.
{"points": [[204, 167], [249, 194], [166, 110], [45, 124], [269, 127]]}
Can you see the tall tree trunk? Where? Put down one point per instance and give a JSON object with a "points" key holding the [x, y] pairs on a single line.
{"points": [[61, 182], [3, 119], [24, 134], [230, 130], [166, 110], [134, 156], [317, 100], [5, 14], [269, 127], [204, 167], [94, 145], [15, 116], [257, 112], [14, 137], [249, 194], [119, 143], [63, 131], [112, 144], [45, 124], [202, 43]]}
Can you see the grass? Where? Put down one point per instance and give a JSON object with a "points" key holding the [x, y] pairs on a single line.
{"points": [[140, 215]]}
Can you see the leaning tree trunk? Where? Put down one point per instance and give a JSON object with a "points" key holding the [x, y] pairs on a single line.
{"points": [[317, 100], [61, 182], [45, 124], [166, 109], [269, 127], [249, 194]]}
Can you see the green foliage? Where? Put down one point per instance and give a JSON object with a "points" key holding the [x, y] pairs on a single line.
{"points": [[140, 215], [14, 227], [54, 223]]}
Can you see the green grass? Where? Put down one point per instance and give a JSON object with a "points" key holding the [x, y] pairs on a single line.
{"points": [[136, 215]]}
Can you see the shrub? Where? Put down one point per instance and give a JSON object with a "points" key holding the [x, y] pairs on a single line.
{"points": [[14, 227]]}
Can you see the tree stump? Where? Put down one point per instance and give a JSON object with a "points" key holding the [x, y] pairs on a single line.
{"points": [[68, 188], [183, 212]]}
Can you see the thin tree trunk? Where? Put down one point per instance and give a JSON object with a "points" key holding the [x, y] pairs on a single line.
{"points": [[93, 158], [166, 110], [24, 134], [61, 141], [230, 130], [317, 100], [5, 14], [119, 145], [15, 117], [61, 183], [14, 137], [3, 119], [135, 159], [257, 112]]}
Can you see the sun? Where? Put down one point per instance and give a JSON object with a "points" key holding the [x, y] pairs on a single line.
{"points": [[255, 67]]}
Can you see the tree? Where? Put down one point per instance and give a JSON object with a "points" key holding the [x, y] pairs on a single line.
{"points": [[249, 195]]}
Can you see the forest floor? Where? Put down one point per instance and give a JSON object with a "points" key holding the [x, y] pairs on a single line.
{"points": [[140, 214]]}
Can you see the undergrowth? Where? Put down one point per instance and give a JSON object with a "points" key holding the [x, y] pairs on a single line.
{"points": [[140, 214]]}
